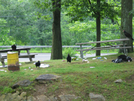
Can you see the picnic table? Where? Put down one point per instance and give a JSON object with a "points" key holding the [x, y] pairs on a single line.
{"points": [[109, 46], [28, 55]]}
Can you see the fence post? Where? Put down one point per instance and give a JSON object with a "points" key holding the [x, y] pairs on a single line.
{"points": [[81, 52], [125, 49]]}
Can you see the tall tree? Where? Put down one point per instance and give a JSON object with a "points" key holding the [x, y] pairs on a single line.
{"points": [[78, 10], [126, 20], [98, 27], [56, 52]]}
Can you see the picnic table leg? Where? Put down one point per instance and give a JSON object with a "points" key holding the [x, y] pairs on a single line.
{"points": [[81, 52], [30, 58], [19, 52]]}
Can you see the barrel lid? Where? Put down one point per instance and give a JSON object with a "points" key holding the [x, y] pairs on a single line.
{"points": [[11, 52]]}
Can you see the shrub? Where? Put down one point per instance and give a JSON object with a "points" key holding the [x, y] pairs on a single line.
{"points": [[67, 51]]}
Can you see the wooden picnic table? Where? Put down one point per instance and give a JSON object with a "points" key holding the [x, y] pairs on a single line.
{"points": [[28, 55], [109, 46]]}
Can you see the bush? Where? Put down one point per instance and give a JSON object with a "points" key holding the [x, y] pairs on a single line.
{"points": [[67, 51]]}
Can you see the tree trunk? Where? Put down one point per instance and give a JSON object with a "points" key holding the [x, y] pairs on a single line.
{"points": [[56, 52], [98, 32], [126, 20]]}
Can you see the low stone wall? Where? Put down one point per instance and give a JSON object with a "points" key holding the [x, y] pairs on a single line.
{"points": [[22, 97], [17, 96]]}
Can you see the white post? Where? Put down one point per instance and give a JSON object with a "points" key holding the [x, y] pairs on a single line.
{"points": [[2, 60]]}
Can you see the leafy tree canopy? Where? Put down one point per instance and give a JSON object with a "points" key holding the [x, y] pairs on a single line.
{"points": [[78, 9]]}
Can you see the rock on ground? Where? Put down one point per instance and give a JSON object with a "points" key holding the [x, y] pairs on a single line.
{"points": [[23, 83], [68, 97], [22, 97], [13, 97], [118, 81], [47, 77], [96, 97]]}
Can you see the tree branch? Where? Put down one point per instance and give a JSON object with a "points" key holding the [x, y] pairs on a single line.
{"points": [[92, 6]]}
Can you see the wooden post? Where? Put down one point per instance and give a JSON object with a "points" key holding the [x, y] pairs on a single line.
{"points": [[30, 58], [18, 52], [2, 60], [125, 49], [81, 52]]}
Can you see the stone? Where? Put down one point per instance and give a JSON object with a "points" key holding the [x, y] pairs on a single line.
{"points": [[8, 97], [118, 81], [47, 77], [96, 97], [31, 98], [23, 83], [42, 98], [22, 97], [53, 98], [2, 97], [23, 94], [68, 97], [18, 98], [15, 95]]}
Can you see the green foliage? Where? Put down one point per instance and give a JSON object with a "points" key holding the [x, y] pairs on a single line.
{"points": [[78, 10], [67, 51], [29, 22], [86, 31], [7, 90], [19, 20]]}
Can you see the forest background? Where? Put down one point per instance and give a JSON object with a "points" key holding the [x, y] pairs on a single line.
{"points": [[26, 22], [22, 23]]}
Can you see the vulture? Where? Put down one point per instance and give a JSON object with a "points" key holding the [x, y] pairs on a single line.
{"points": [[69, 58], [37, 64], [128, 35], [13, 47]]}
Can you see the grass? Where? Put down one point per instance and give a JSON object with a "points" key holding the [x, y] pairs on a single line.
{"points": [[77, 78]]}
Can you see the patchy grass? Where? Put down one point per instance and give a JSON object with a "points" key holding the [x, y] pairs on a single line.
{"points": [[77, 78]]}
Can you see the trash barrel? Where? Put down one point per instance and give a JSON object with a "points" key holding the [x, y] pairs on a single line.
{"points": [[13, 61]]}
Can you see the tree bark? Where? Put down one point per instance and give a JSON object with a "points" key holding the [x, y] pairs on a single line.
{"points": [[98, 32], [56, 52], [126, 20]]}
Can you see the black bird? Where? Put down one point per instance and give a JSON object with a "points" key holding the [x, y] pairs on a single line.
{"points": [[13, 47], [37, 64], [69, 58], [128, 35]]}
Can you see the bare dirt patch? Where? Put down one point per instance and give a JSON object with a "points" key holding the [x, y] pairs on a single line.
{"points": [[130, 78]]}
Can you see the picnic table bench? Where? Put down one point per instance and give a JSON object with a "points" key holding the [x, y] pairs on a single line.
{"points": [[28, 55], [119, 46]]}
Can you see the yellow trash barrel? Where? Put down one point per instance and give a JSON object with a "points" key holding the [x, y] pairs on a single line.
{"points": [[13, 61]]}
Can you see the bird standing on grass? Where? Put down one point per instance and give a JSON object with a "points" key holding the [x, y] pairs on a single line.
{"points": [[128, 35], [13, 47], [37, 64], [69, 58]]}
